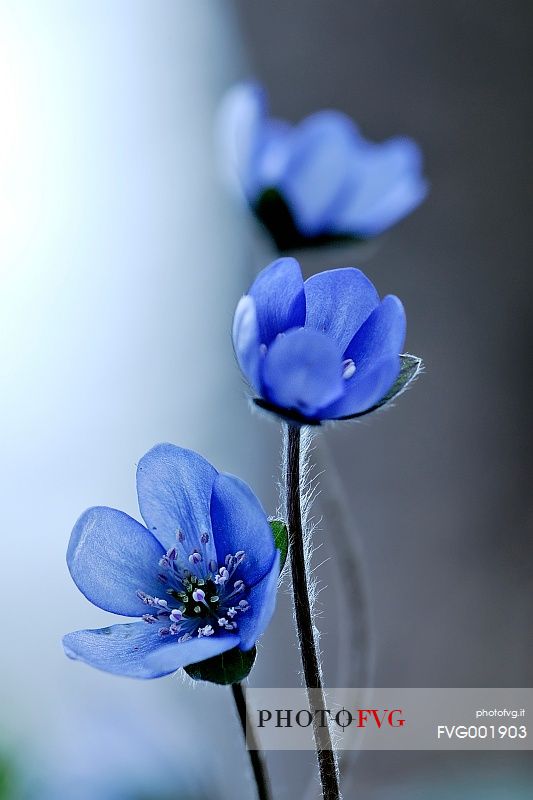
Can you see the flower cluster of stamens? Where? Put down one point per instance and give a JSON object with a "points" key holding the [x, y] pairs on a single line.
{"points": [[202, 597]]}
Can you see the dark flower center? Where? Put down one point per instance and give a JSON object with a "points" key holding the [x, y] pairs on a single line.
{"points": [[191, 607], [203, 597]]}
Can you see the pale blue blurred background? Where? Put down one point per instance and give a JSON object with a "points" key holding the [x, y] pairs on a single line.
{"points": [[119, 271]]}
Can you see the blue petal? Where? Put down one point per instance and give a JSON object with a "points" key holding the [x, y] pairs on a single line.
{"points": [[338, 302], [271, 156], [240, 122], [240, 523], [174, 488], [317, 171], [110, 557], [366, 389], [375, 351], [262, 601], [168, 659], [386, 185], [302, 371], [246, 340], [278, 292], [136, 650], [380, 337]]}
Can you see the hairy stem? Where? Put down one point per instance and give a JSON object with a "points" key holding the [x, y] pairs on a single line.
{"points": [[256, 757], [355, 655], [304, 621]]}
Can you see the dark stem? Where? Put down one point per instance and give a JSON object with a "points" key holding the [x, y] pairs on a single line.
{"points": [[304, 620], [256, 758]]}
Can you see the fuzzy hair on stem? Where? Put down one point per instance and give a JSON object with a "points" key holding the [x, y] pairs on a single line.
{"points": [[299, 551]]}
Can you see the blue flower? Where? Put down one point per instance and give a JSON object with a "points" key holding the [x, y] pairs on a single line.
{"points": [[201, 576], [320, 180], [324, 349]]}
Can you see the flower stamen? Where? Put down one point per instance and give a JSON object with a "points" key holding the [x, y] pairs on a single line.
{"points": [[199, 604], [348, 369]]}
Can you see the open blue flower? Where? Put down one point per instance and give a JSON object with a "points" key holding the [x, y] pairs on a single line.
{"points": [[201, 576], [324, 349], [319, 180]]}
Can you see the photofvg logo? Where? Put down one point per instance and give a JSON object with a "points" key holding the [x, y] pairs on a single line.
{"points": [[390, 719], [292, 718], [342, 719]]}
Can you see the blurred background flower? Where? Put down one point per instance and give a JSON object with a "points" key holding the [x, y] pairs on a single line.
{"points": [[320, 180]]}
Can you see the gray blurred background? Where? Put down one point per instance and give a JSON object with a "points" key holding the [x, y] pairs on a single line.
{"points": [[440, 486], [121, 259]]}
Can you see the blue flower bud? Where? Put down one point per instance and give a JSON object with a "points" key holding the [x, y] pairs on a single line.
{"points": [[324, 349]]}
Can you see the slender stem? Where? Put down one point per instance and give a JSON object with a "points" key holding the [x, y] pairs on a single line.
{"points": [[256, 757], [304, 621]]}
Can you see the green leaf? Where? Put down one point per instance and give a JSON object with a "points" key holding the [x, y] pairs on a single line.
{"points": [[8, 778], [281, 539], [229, 667], [411, 367]]}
